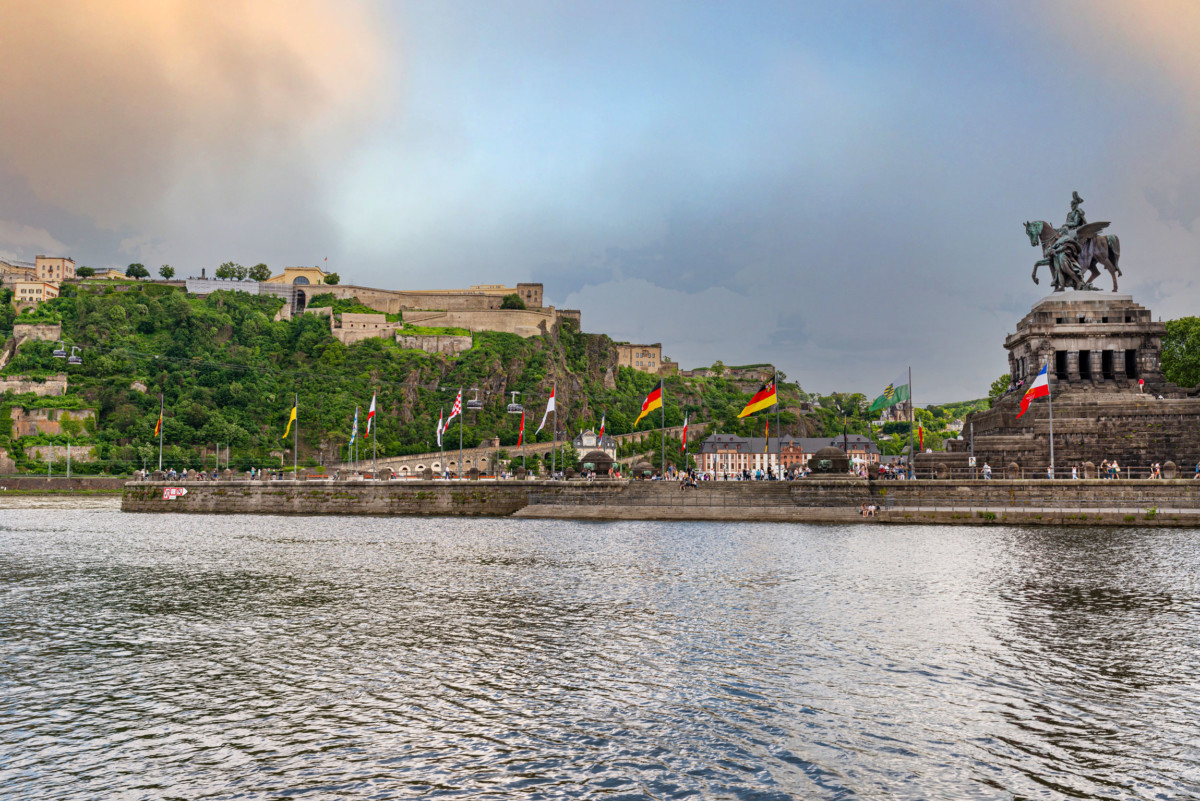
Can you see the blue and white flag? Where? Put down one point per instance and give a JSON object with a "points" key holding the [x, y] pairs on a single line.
{"points": [[354, 431]]}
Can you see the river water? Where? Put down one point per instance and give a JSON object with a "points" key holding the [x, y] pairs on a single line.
{"points": [[259, 657]]}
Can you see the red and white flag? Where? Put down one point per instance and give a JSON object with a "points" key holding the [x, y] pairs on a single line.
{"points": [[521, 433], [683, 448], [549, 408], [439, 428], [371, 413], [455, 410], [1040, 388], [602, 429]]}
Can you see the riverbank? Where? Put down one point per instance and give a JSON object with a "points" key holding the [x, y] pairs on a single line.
{"points": [[813, 500]]}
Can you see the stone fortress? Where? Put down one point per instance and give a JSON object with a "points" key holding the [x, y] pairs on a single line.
{"points": [[476, 308], [1110, 399]]}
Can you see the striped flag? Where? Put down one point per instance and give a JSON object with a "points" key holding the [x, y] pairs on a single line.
{"points": [[371, 413], [158, 425], [354, 428], [521, 433], [549, 408], [683, 448], [763, 399], [602, 428], [1040, 388], [653, 401]]}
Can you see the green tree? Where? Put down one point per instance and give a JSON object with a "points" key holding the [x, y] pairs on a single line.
{"points": [[998, 388], [260, 272], [84, 272], [167, 272], [226, 270], [1181, 351], [240, 272], [512, 301], [332, 278], [137, 271]]}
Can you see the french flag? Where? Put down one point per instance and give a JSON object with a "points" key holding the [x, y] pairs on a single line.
{"points": [[1040, 388]]}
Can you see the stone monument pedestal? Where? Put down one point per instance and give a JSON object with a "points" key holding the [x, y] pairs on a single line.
{"points": [[1097, 346]]}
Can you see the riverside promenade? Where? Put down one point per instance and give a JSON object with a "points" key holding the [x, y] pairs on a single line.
{"points": [[812, 500]]}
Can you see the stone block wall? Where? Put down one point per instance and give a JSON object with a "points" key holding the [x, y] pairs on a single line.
{"points": [[79, 453], [434, 343], [522, 322], [51, 386], [31, 422], [38, 332]]}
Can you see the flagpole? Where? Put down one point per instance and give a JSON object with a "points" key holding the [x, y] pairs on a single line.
{"points": [[554, 439], [1050, 401], [296, 443], [662, 408], [778, 430], [441, 446], [160, 430], [460, 447], [374, 440], [912, 422]]}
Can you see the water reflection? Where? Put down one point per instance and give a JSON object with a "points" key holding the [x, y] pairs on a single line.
{"points": [[258, 657]]}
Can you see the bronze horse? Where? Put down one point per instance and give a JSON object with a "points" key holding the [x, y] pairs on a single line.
{"points": [[1097, 249]]}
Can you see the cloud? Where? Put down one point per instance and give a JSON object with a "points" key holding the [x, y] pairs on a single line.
{"points": [[149, 114], [18, 240]]}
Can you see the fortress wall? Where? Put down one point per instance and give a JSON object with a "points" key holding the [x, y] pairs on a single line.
{"points": [[434, 343], [522, 322], [53, 386]]}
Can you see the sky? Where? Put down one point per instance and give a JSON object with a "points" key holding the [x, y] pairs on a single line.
{"points": [[835, 188]]}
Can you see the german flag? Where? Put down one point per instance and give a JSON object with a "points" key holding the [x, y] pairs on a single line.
{"points": [[653, 401], [158, 425], [763, 399]]}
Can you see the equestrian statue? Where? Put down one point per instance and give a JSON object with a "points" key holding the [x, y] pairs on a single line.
{"points": [[1076, 248]]}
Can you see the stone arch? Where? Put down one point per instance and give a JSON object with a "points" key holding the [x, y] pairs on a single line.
{"points": [[419, 467], [300, 279], [404, 470], [301, 300], [436, 466]]}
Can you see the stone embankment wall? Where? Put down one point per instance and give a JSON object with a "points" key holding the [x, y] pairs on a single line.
{"points": [[408, 498], [807, 500], [60, 484]]}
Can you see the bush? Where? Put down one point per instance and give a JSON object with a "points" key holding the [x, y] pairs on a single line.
{"points": [[512, 301]]}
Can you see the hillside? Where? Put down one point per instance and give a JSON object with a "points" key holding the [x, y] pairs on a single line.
{"points": [[228, 374]]}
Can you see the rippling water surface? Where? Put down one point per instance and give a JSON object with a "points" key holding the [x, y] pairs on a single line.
{"points": [[259, 657]]}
